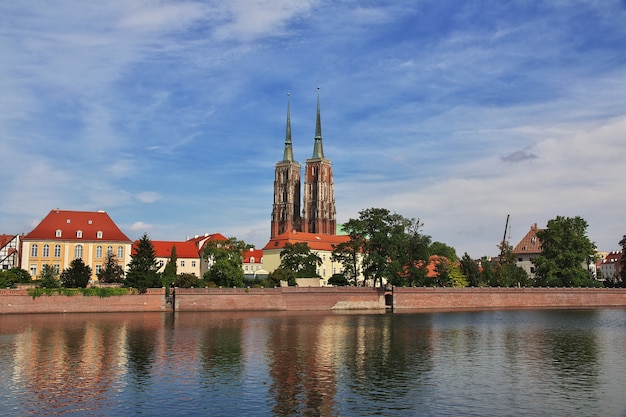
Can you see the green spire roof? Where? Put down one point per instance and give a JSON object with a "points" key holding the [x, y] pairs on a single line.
{"points": [[318, 149], [288, 154]]}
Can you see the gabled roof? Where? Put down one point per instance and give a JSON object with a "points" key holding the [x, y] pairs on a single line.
{"points": [[529, 243], [71, 222], [6, 239], [257, 254], [613, 256], [313, 240], [188, 249]]}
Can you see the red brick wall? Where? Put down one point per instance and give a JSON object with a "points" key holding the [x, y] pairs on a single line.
{"points": [[452, 298], [18, 301]]}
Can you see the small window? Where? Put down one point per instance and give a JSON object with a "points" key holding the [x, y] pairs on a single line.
{"points": [[120, 252], [519, 259], [56, 268], [34, 250], [109, 250], [98, 251], [79, 234], [46, 251], [98, 269], [78, 251], [182, 263], [33, 270], [99, 234], [58, 233], [57, 251], [193, 264], [252, 259]]}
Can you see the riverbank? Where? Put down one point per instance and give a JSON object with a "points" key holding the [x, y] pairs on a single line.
{"points": [[316, 299]]}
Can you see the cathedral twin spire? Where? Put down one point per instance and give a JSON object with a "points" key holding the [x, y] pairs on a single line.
{"points": [[318, 213]]}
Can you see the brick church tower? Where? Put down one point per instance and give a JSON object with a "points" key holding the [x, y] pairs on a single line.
{"points": [[286, 210], [318, 215]]}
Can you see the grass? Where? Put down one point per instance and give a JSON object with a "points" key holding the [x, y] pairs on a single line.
{"points": [[101, 292]]}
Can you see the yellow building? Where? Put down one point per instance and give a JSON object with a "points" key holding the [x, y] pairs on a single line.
{"points": [[64, 235]]}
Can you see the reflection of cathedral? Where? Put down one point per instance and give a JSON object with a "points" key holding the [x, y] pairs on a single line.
{"points": [[318, 213]]}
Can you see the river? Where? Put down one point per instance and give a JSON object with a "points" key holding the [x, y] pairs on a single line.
{"points": [[471, 363]]}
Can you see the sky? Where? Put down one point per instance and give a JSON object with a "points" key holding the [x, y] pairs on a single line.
{"points": [[170, 115]]}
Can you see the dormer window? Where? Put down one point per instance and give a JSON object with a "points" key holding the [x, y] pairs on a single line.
{"points": [[252, 259], [58, 233], [79, 234], [99, 234]]}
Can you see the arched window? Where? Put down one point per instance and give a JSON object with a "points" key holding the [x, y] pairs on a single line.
{"points": [[78, 251], [57, 251], [98, 251], [34, 250], [109, 250], [46, 251], [120, 252]]}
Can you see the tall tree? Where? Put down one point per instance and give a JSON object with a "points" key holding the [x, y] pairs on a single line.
{"points": [[298, 258], [227, 260], [142, 269], [171, 269], [111, 272], [77, 275], [48, 277], [470, 269], [392, 246], [347, 254], [566, 254]]}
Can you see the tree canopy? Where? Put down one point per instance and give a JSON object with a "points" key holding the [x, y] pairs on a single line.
{"points": [[226, 262], [142, 269], [171, 269], [298, 258], [111, 272], [10, 277], [392, 247], [77, 275], [48, 277], [566, 254]]}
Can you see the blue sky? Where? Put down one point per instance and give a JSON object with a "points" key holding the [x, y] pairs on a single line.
{"points": [[170, 115]]}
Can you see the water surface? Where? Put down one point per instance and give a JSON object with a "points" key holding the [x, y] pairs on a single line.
{"points": [[496, 363]]}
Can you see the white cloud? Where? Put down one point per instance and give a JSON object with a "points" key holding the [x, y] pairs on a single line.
{"points": [[140, 227], [148, 197]]}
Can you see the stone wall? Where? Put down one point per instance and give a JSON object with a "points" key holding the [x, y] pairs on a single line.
{"points": [[459, 298], [18, 301], [316, 298]]}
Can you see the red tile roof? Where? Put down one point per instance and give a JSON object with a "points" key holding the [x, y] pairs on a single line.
{"points": [[529, 243], [257, 254], [70, 222], [5, 239], [315, 241], [186, 249]]}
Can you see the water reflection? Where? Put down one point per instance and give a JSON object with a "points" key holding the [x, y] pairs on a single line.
{"points": [[314, 364]]}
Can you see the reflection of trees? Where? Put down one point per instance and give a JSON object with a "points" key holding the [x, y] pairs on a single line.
{"points": [[389, 356], [303, 365], [221, 358], [573, 354], [140, 349]]}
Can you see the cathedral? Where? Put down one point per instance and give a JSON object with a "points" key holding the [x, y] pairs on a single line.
{"points": [[318, 207], [304, 214]]}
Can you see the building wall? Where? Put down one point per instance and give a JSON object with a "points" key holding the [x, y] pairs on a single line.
{"points": [[94, 254]]}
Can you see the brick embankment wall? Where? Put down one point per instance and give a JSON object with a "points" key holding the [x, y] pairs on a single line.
{"points": [[458, 298], [285, 298], [18, 301]]}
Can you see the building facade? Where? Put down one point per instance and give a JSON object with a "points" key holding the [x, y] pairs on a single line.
{"points": [[9, 251], [64, 235], [528, 249]]}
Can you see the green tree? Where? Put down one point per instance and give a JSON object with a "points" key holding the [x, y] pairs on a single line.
{"points": [[10, 277], [441, 249], [111, 272], [347, 254], [470, 269], [281, 274], [170, 271], [338, 280], [298, 258], [566, 251], [77, 275], [227, 260], [392, 246], [186, 280], [48, 277], [142, 269], [506, 272]]}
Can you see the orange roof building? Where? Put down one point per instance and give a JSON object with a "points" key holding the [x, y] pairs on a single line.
{"points": [[528, 249], [65, 235]]}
